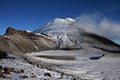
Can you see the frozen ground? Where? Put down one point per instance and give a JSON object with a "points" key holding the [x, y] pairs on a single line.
{"points": [[31, 72], [64, 65], [90, 64]]}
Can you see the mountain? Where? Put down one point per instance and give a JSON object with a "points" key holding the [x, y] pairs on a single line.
{"points": [[60, 46], [17, 41], [84, 55], [69, 35]]}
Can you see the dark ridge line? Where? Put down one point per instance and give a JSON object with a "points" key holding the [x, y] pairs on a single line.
{"points": [[102, 39], [111, 51]]}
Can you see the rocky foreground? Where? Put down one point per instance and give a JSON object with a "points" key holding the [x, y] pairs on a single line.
{"points": [[16, 68]]}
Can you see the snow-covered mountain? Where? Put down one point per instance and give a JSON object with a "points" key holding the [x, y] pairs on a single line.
{"points": [[58, 26], [69, 35], [90, 61], [63, 30]]}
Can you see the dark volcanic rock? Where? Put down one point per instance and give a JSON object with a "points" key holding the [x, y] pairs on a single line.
{"points": [[2, 54]]}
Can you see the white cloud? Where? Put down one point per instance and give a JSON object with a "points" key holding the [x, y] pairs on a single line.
{"points": [[96, 23]]}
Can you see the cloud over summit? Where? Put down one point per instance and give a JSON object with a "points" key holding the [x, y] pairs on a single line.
{"points": [[99, 24]]}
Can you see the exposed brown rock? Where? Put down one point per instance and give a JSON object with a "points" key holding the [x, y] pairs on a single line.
{"points": [[10, 31], [21, 71], [7, 70], [2, 54], [17, 41], [12, 69], [4, 45]]}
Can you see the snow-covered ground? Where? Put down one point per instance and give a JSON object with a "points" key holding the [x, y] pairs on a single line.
{"points": [[84, 64], [31, 72], [63, 65], [97, 58]]}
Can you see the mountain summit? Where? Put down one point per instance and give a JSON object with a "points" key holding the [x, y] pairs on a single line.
{"points": [[63, 21], [57, 25], [69, 35]]}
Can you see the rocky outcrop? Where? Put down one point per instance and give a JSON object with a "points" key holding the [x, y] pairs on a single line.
{"points": [[16, 41], [4, 43], [3, 46], [2, 54]]}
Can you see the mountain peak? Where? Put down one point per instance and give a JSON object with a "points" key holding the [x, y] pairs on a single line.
{"points": [[58, 25], [70, 19], [65, 21], [10, 31]]}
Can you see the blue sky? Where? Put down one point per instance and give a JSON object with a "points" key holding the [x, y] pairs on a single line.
{"points": [[31, 14]]}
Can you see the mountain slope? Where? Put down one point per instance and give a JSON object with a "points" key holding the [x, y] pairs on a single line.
{"points": [[17, 41], [96, 57], [69, 35]]}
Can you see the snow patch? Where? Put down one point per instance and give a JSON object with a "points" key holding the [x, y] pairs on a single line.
{"points": [[70, 19], [28, 31], [66, 21]]}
